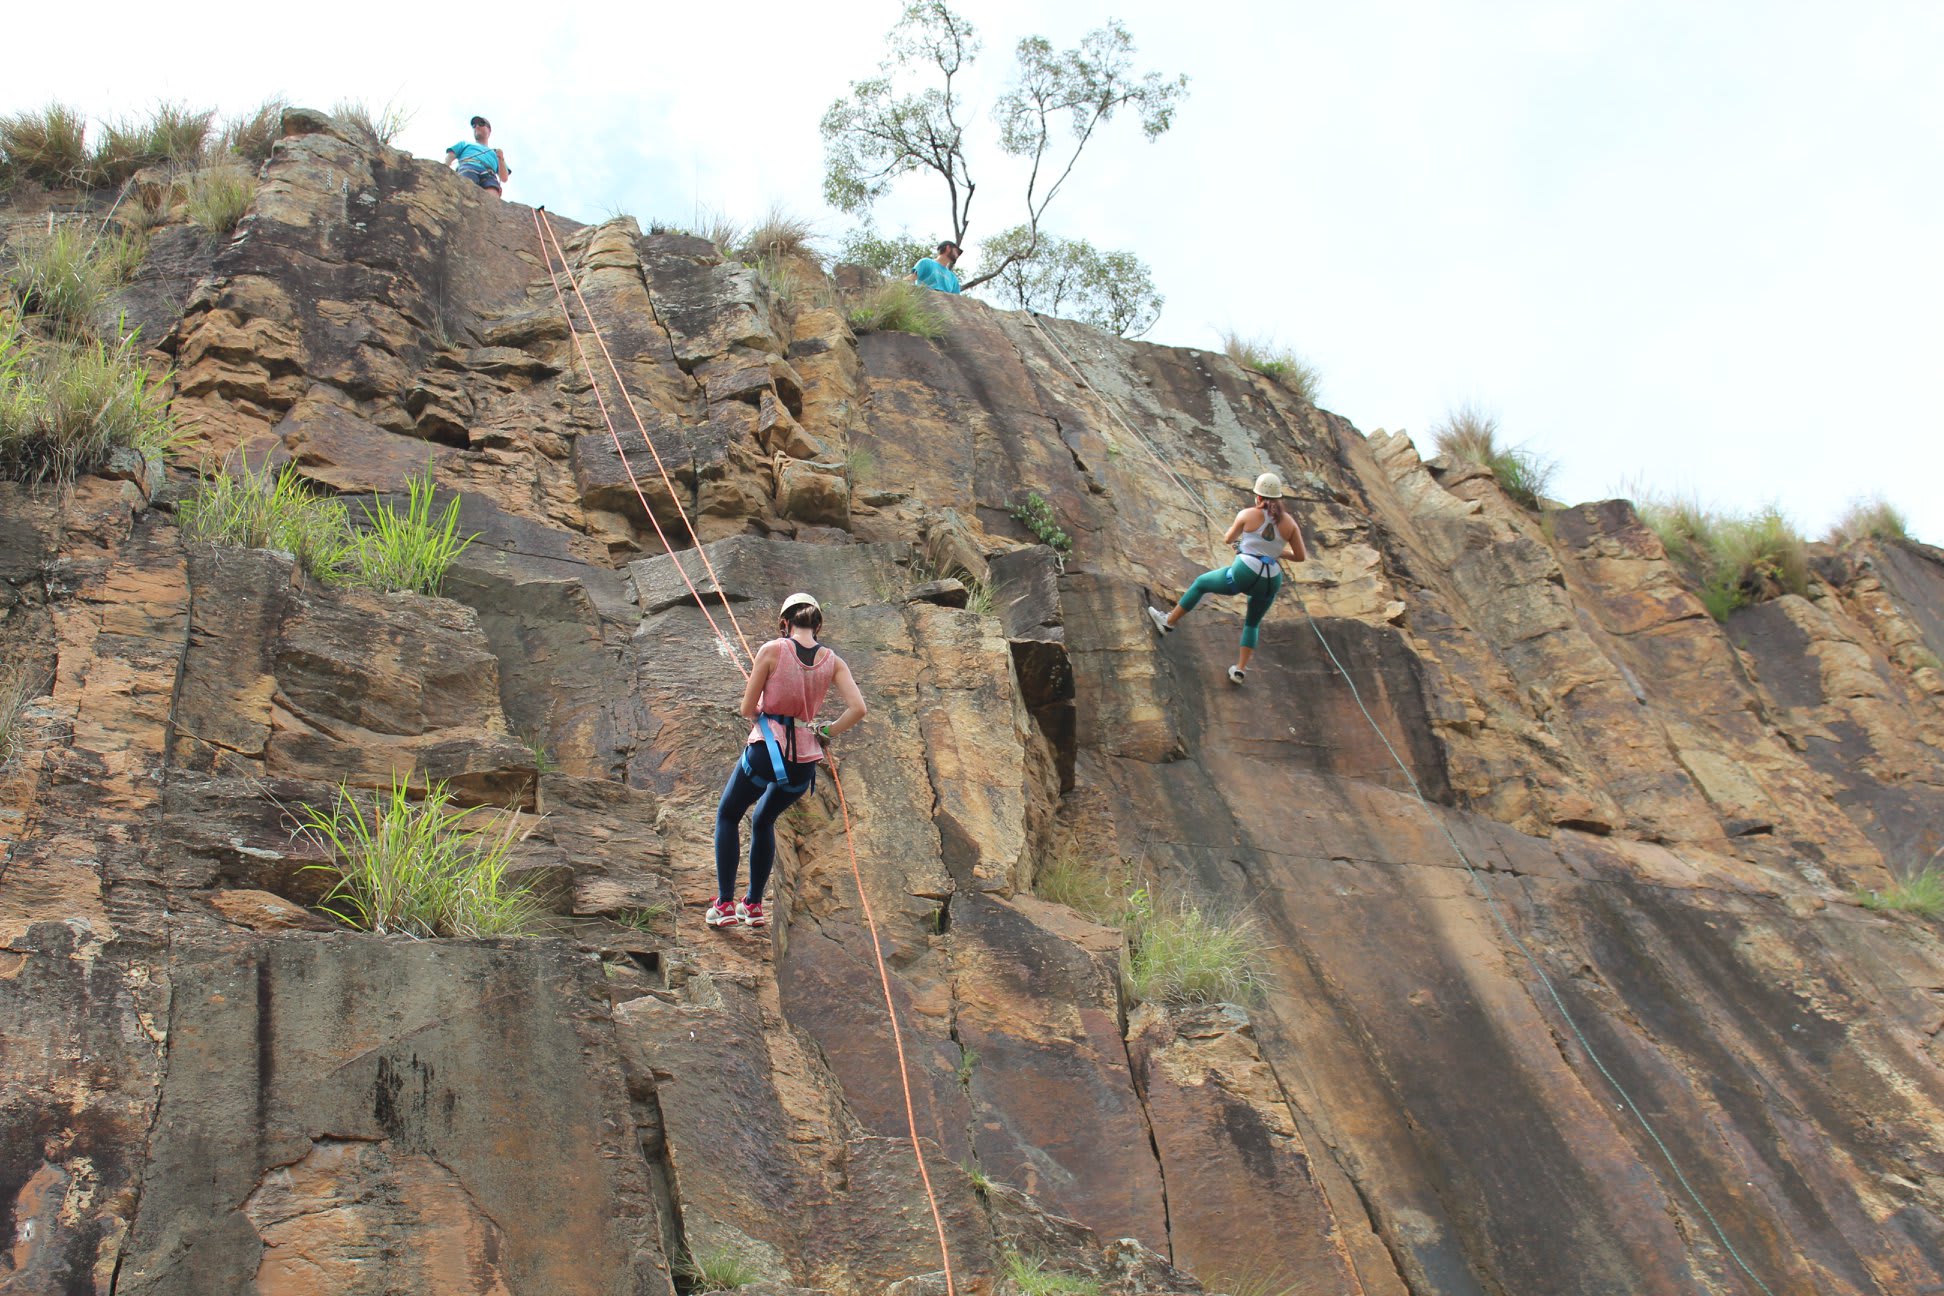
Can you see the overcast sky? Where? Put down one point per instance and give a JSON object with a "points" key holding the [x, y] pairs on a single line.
{"points": [[1690, 246]]}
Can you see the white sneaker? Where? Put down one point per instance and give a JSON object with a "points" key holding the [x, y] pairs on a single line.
{"points": [[1160, 620], [1235, 674]]}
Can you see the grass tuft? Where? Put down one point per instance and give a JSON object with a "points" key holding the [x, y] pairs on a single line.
{"points": [[65, 406], [251, 509], [717, 1269], [15, 694], [219, 196], [420, 868], [1031, 1277], [1097, 894], [171, 133], [978, 595], [67, 275], [1874, 518], [409, 550], [725, 234], [1920, 893], [252, 137], [1183, 954], [1734, 560], [48, 144], [383, 124], [1471, 434], [779, 236], [1279, 363], [982, 1183], [644, 919], [898, 307]]}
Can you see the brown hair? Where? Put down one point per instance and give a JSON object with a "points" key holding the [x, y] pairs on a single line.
{"points": [[1273, 507], [803, 615]]}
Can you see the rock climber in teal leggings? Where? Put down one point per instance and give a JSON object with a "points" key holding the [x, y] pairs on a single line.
{"points": [[1263, 535]]}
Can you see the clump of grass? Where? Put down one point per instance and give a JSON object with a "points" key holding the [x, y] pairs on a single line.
{"points": [[898, 307], [1920, 893], [643, 919], [784, 277], [717, 1269], [65, 406], [382, 124], [67, 274], [1036, 515], [1874, 518], [1734, 560], [15, 693], [171, 133], [978, 596], [1280, 363], [421, 868], [968, 1065], [1469, 433], [254, 509], [1180, 953], [219, 196], [726, 234], [780, 235], [1031, 1277], [1098, 894], [859, 465], [982, 1183], [409, 550], [253, 136], [48, 144]]}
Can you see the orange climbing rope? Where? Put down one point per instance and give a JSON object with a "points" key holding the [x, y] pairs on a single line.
{"points": [[545, 232]]}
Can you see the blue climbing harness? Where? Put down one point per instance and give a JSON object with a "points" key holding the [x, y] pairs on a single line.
{"points": [[782, 773]]}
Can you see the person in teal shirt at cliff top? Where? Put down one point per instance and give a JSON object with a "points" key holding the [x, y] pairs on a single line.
{"points": [[479, 161], [937, 273]]}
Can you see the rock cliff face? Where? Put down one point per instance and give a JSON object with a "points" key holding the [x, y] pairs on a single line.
{"points": [[207, 1087]]}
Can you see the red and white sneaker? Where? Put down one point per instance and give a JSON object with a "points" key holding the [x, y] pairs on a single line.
{"points": [[750, 912], [722, 913]]}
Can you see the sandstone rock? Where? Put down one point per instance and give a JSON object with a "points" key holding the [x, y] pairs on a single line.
{"points": [[814, 493]]}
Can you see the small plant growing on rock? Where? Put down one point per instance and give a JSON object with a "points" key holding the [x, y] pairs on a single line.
{"points": [[1031, 1277], [409, 550], [1036, 515], [219, 196], [15, 693], [254, 509], [780, 235], [420, 868], [898, 307], [1279, 363], [49, 145], [1870, 519], [66, 276], [1733, 560], [65, 406], [716, 1269], [251, 137], [981, 1182], [1469, 433], [643, 919], [1920, 893], [172, 133], [383, 124], [1180, 953]]}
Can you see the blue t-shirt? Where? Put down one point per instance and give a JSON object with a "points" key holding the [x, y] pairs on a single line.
{"points": [[934, 275], [474, 155]]}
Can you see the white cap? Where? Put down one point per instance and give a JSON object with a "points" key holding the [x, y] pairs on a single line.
{"points": [[1269, 486], [798, 600]]}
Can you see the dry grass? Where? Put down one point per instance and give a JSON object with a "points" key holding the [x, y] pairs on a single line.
{"points": [[382, 124], [219, 196], [1735, 560], [898, 307], [725, 234], [1469, 433], [47, 144], [251, 137], [15, 694], [1279, 363], [1874, 518], [780, 235], [171, 133]]}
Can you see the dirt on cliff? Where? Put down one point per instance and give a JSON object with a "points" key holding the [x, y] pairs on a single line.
{"points": [[1564, 984]]}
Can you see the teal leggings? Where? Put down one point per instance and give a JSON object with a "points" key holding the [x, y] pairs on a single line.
{"points": [[1239, 577]]}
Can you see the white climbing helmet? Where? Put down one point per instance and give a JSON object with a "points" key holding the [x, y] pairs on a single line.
{"points": [[798, 600], [1269, 486]]}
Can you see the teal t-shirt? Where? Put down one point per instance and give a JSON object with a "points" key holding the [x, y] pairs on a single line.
{"points": [[932, 274], [479, 155]]}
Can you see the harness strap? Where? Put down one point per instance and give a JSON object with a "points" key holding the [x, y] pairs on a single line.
{"points": [[775, 754]]}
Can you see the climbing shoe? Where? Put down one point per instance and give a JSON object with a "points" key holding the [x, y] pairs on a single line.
{"points": [[722, 913], [750, 913], [1235, 674], [1160, 620]]}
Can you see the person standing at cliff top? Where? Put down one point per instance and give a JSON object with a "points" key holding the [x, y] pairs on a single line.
{"points": [[936, 272], [479, 161], [780, 756], [1267, 534]]}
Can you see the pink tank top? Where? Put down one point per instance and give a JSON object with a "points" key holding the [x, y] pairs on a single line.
{"points": [[797, 691]]}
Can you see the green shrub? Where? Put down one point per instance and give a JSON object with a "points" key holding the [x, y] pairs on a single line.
{"points": [[49, 145], [1036, 515], [1874, 518], [717, 1269], [219, 196], [1181, 954], [64, 406], [1920, 893], [1734, 560], [1285, 366], [898, 307], [409, 550], [1469, 433], [251, 138], [170, 134], [1033, 1278], [252, 509], [68, 274], [420, 868], [383, 125]]}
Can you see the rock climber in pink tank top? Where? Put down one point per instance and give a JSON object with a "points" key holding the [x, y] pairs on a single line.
{"points": [[779, 759]]}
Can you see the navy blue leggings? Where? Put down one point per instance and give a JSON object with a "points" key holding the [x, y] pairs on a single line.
{"points": [[771, 800]]}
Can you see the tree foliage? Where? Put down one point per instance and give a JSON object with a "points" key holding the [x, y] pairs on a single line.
{"points": [[1071, 278], [884, 253], [912, 118]]}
